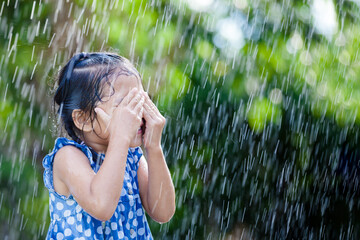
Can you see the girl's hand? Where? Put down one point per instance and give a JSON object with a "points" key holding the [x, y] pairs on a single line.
{"points": [[155, 123], [126, 116]]}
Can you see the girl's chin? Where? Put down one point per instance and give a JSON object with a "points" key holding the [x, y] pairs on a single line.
{"points": [[134, 145], [136, 142]]}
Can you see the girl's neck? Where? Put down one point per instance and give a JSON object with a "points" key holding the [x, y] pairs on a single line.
{"points": [[98, 148], [98, 145]]}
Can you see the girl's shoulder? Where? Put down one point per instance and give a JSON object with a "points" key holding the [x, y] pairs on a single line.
{"points": [[62, 142], [48, 160]]}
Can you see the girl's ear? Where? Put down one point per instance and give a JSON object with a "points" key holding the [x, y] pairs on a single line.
{"points": [[81, 120]]}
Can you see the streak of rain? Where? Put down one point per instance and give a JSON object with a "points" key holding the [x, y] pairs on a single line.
{"points": [[262, 102]]}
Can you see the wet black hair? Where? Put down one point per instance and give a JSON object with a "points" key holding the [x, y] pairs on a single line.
{"points": [[81, 82]]}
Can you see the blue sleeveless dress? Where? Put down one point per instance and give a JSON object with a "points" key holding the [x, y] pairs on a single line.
{"points": [[70, 221]]}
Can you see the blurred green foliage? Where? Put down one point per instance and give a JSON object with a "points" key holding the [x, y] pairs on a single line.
{"points": [[261, 140]]}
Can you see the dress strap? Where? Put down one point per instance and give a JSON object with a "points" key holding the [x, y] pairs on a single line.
{"points": [[49, 159]]}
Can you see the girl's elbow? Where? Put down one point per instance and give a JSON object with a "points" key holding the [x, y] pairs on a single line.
{"points": [[103, 211], [166, 216], [103, 215]]}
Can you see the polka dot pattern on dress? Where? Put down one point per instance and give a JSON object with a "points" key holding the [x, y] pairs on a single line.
{"points": [[70, 221]]}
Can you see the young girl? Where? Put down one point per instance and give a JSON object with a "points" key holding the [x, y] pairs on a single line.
{"points": [[99, 182]]}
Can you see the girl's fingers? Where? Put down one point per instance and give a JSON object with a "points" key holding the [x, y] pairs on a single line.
{"points": [[139, 105], [146, 115], [141, 112], [103, 116], [135, 100], [148, 111], [153, 107], [118, 101], [126, 100]]}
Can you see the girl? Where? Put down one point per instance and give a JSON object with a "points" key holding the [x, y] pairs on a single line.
{"points": [[99, 182]]}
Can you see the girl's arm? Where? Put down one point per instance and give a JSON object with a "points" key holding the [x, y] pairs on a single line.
{"points": [[98, 194], [155, 184]]}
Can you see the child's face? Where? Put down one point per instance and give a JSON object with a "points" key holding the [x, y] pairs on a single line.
{"points": [[119, 87]]}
